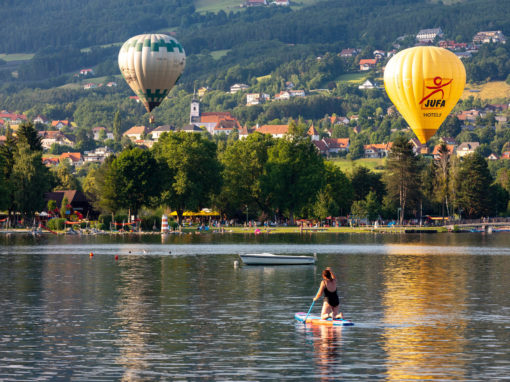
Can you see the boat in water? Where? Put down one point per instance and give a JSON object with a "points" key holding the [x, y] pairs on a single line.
{"points": [[271, 259]]}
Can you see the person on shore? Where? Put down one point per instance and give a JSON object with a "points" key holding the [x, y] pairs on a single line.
{"points": [[331, 305]]}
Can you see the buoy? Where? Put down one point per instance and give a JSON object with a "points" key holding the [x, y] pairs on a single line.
{"points": [[236, 264], [164, 224], [91, 254], [116, 257]]}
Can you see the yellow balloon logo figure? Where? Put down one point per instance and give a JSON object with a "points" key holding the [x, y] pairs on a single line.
{"points": [[425, 84]]}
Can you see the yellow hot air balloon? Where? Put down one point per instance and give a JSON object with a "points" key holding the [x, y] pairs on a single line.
{"points": [[425, 84], [151, 64]]}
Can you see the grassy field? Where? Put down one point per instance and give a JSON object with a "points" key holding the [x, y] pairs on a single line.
{"points": [[16, 56], [346, 165], [203, 6], [217, 54], [490, 90], [352, 77]]}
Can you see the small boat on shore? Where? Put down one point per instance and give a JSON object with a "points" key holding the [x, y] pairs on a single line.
{"points": [[271, 259]]}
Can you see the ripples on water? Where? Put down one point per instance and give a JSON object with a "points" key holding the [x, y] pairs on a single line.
{"points": [[426, 309]]}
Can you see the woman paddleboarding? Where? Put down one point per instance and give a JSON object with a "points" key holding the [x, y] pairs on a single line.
{"points": [[331, 303]]}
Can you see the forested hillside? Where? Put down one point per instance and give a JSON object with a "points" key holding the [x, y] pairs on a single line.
{"points": [[58, 31]]}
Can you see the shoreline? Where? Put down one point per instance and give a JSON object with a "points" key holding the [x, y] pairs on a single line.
{"points": [[269, 230]]}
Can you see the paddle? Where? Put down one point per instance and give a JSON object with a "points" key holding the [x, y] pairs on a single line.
{"points": [[309, 310]]}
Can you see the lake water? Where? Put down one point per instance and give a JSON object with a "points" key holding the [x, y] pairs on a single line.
{"points": [[425, 307]]}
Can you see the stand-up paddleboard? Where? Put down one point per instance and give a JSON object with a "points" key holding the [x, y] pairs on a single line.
{"points": [[316, 320]]}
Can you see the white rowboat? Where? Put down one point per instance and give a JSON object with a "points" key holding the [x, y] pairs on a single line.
{"points": [[270, 259]]}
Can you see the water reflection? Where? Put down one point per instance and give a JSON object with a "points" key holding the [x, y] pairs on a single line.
{"points": [[425, 317], [327, 348], [135, 311]]}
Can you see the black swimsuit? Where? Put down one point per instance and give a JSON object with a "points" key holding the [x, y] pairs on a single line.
{"points": [[331, 297]]}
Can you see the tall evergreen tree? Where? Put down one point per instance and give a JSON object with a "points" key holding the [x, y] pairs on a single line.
{"points": [[402, 177], [474, 181], [31, 179], [442, 165], [29, 134]]}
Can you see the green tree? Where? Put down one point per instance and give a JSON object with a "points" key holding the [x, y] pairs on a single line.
{"points": [[31, 178], [402, 175], [65, 178], [191, 171], [442, 178], [473, 181], [63, 207], [363, 181], [133, 180], [8, 154], [339, 188], [243, 163], [28, 133], [293, 175]]}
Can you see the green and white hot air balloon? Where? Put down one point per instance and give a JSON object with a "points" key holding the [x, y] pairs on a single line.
{"points": [[151, 64]]}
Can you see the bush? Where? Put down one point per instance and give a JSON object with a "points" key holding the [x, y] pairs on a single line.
{"points": [[149, 222], [56, 224]]}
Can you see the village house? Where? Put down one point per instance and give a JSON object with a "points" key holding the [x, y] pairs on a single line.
{"points": [[50, 160], [202, 91], [77, 201], [282, 96], [322, 147], [335, 120], [212, 121], [337, 145], [469, 115], [376, 150], [349, 52], [283, 3], [226, 126], [191, 128], [74, 159], [452, 45], [60, 124], [136, 132], [158, 131], [245, 131], [427, 36], [451, 150], [40, 119], [86, 72], [91, 85], [505, 155], [276, 131], [254, 3], [238, 87], [367, 85], [12, 118], [98, 155], [418, 147], [379, 54], [97, 132], [367, 64], [467, 148], [492, 156], [487, 37], [288, 94], [256, 98], [50, 137], [313, 133]]}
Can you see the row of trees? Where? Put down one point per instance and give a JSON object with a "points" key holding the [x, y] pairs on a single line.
{"points": [[286, 178], [260, 175]]}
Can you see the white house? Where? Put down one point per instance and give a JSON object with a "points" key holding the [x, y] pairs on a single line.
{"points": [[158, 131], [429, 35], [238, 87]]}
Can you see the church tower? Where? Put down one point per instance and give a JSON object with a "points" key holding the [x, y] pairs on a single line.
{"points": [[194, 114]]}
